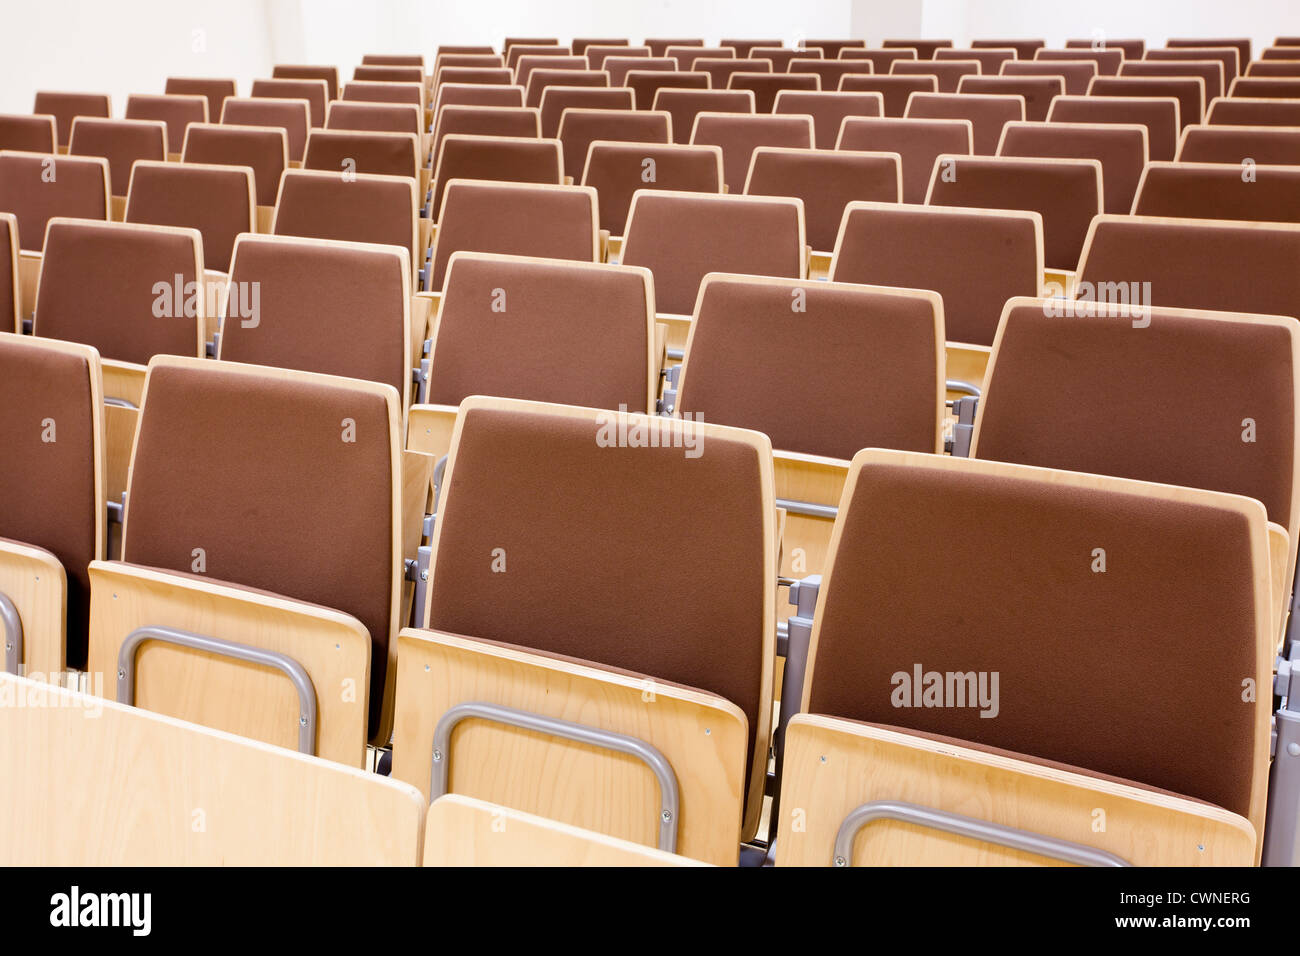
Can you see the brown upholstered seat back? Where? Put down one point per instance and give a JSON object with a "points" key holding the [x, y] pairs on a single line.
{"points": [[264, 151], [1233, 58], [1121, 150], [520, 219], [686, 56], [766, 86], [218, 201], [9, 292], [681, 237], [308, 71], [121, 142], [738, 370], [1108, 58], [1038, 91], [990, 59], [1083, 658], [252, 466], [948, 74], [292, 116], [384, 154], [833, 49], [826, 180], [177, 111], [1132, 49], [36, 187], [1268, 145], [646, 84], [1158, 114], [744, 48], [512, 159], [322, 306], [53, 489], [881, 60], [1253, 111], [1188, 90], [618, 67], [1210, 71], [828, 110], [1067, 193], [579, 128], [1266, 87], [721, 68], [32, 134], [517, 51], [894, 89], [1286, 68], [374, 117], [975, 259], [130, 291], [556, 99], [596, 49], [65, 107], [1024, 49], [369, 208], [485, 121], [539, 81], [544, 330], [388, 73], [685, 104], [214, 90], [618, 170], [659, 46], [315, 92], [925, 49], [1075, 74], [1215, 191], [987, 114], [526, 66], [476, 94], [481, 76], [739, 135], [918, 144]]}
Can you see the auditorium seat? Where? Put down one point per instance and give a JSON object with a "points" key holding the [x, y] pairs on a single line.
{"points": [[1024, 49], [990, 59], [557, 99], [947, 73], [178, 112], [579, 128], [263, 150], [471, 120], [1253, 111], [1254, 193], [473, 75], [1108, 59], [720, 69], [895, 90], [374, 117], [780, 56], [831, 72], [617, 170], [744, 48], [686, 56], [1274, 68], [553, 65], [1121, 150], [1132, 49], [738, 135], [1241, 44], [1075, 74], [37, 187], [11, 314], [514, 159], [539, 81], [833, 49], [917, 142], [411, 59], [766, 86], [598, 53], [122, 143], [219, 201], [65, 107], [516, 51], [315, 92], [288, 71], [292, 116], [924, 48], [343, 151], [363, 92], [1037, 91], [1158, 114], [388, 73], [659, 46], [618, 67], [1210, 72], [1189, 91], [1266, 87], [1228, 56], [29, 134], [646, 84], [490, 61], [828, 110], [880, 60], [684, 105], [475, 94], [1269, 145], [214, 90], [987, 114]]}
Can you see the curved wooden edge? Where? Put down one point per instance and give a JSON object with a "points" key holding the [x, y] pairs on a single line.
{"points": [[34, 580]]}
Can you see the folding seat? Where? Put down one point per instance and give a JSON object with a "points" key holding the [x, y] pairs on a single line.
{"points": [[1266, 87], [122, 143], [1254, 193], [766, 86], [539, 81], [1283, 48], [413, 59], [315, 92], [1066, 193], [1210, 71], [598, 55], [683, 236], [826, 180], [10, 300], [987, 114], [1037, 91], [178, 112], [883, 776], [263, 150], [580, 128], [362, 92], [219, 201], [990, 59], [214, 90], [65, 107], [1121, 150], [645, 85], [292, 116], [743, 48], [881, 60], [330, 74], [385, 154], [52, 517], [781, 57], [1286, 42], [686, 56], [472, 120], [463, 831], [947, 73], [720, 69], [831, 72], [290, 463], [617, 170], [1188, 91], [1241, 44], [557, 99], [1158, 114], [833, 49], [739, 135], [519, 219], [1274, 67], [685, 104], [1228, 56], [29, 134], [1132, 49], [1075, 74], [377, 118], [1024, 49], [1108, 58], [1268, 145], [482, 60], [1253, 111], [516, 51], [580, 45], [618, 67], [511, 159], [517, 474], [894, 90], [554, 64], [918, 143], [388, 73], [260, 805], [975, 259], [529, 41], [924, 48], [659, 47]]}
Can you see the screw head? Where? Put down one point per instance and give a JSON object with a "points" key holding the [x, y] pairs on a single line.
{"points": [[121, 674], [667, 815], [424, 575], [1293, 749], [840, 861], [437, 755]]}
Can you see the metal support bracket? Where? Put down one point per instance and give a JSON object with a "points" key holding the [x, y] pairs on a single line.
{"points": [[422, 381], [803, 596], [126, 658], [116, 510], [581, 733], [796, 507], [1282, 826], [982, 830], [13, 633], [964, 428], [672, 376]]}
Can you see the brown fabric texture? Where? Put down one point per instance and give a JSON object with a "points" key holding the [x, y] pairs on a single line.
{"points": [[1132, 49], [482, 76], [49, 499], [472, 120], [828, 111], [598, 53], [213, 201], [517, 51], [1159, 116], [1108, 60], [1272, 194], [874, 351], [9, 297], [1283, 68], [739, 135], [1210, 71], [363, 92], [539, 81], [987, 113], [559, 98], [178, 112], [261, 150], [834, 49], [292, 116], [564, 508], [881, 60], [684, 104], [591, 323], [528, 64], [384, 154], [322, 308], [65, 107], [1227, 144], [1120, 150], [1135, 673], [469, 94], [925, 49], [721, 68], [315, 92], [375, 73], [1221, 370], [1267, 87], [1254, 112], [765, 86], [1207, 49], [1076, 75], [645, 84], [31, 134], [989, 59], [1038, 91], [1025, 49], [98, 288], [682, 238], [580, 127], [373, 118], [616, 170], [121, 142], [618, 67], [1189, 91], [826, 181], [367, 209], [499, 159], [214, 91], [307, 71], [918, 142], [975, 262], [659, 47], [947, 74], [75, 188], [894, 88]]}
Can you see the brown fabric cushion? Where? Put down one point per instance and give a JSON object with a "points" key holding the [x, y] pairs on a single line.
{"points": [[975, 260], [253, 470], [833, 49], [1024, 49], [591, 321], [743, 48], [894, 88], [682, 237], [388, 73], [645, 84], [322, 308], [659, 47], [384, 154], [1288, 67], [1132, 49], [480, 76], [539, 81], [1198, 48], [721, 68], [528, 64], [1213, 191], [98, 287], [739, 135], [49, 500], [304, 71], [518, 50], [687, 56], [65, 107], [582, 46], [262, 150], [1108, 60], [826, 181], [828, 110], [618, 67], [526, 482], [684, 104], [32, 134], [472, 94], [1189, 91], [617, 170], [1224, 266], [213, 200], [918, 142], [1239, 111], [509, 159], [9, 298], [373, 117], [948, 74], [292, 116], [1084, 659], [514, 219], [121, 142], [1234, 144], [989, 59], [484, 121], [556, 99], [1121, 150], [176, 111], [71, 186], [315, 92], [579, 128], [1210, 71], [1076, 75], [874, 350], [1265, 87], [370, 208], [987, 113], [363, 92], [1221, 370], [213, 90], [1158, 114], [925, 49], [1038, 91], [881, 60], [766, 85]]}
